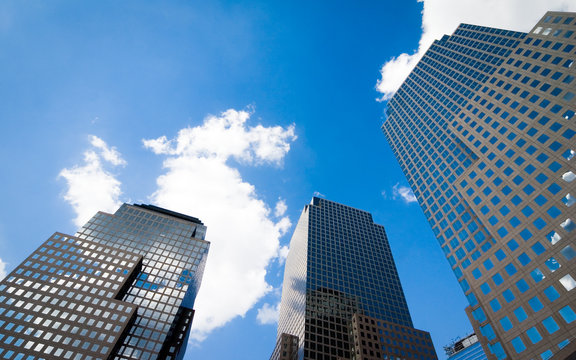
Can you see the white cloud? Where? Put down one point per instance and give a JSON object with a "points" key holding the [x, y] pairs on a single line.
{"points": [[91, 187], [280, 208], [2, 269], [268, 314], [109, 154], [440, 17], [404, 193], [283, 254], [199, 181], [319, 194]]}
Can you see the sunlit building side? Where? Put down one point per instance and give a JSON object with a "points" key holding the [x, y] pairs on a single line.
{"points": [[484, 130], [341, 296], [123, 287]]}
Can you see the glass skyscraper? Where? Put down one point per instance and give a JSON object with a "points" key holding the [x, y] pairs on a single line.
{"points": [[483, 129], [468, 348], [123, 287], [341, 297]]}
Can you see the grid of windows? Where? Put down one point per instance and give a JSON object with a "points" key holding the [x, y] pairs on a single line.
{"points": [[339, 265], [63, 301], [376, 339], [489, 155], [122, 288], [174, 253]]}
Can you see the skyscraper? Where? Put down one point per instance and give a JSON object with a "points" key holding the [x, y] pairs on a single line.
{"points": [[341, 297], [123, 287], [483, 129], [468, 348]]}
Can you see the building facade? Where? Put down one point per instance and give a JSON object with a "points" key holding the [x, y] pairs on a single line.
{"points": [[468, 348], [123, 287], [339, 277], [483, 129]]}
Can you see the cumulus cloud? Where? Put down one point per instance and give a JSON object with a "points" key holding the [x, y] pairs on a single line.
{"points": [[200, 180], [268, 314], [91, 186], [441, 17], [404, 193], [2, 269], [280, 208]]}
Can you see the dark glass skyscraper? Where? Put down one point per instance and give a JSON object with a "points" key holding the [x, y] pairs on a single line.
{"points": [[341, 295], [122, 288], [483, 129]]}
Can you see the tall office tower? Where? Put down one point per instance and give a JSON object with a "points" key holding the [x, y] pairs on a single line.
{"points": [[122, 288], [468, 348], [341, 297], [483, 129]]}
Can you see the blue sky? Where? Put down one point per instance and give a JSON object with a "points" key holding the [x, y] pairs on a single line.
{"points": [[235, 112]]}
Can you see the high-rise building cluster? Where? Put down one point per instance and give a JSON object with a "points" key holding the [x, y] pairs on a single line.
{"points": [[484, 130]]}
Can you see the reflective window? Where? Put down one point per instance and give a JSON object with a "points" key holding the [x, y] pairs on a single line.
{"points": [[518, 344], [533, 335], [550, 325]]}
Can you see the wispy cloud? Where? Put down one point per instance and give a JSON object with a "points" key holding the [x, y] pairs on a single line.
{"points": [[91, 186], [199, 180], [268, 314], [2, 269], [441, 17], [404, 193], [280, 208], [283, 254]]}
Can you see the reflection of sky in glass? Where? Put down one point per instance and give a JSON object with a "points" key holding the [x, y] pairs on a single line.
{"points": [[170, 276]]}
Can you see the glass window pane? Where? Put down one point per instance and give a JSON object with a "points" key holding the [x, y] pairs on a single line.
{"points": [[518, 344], [550, 325], [568, 314], [534, 335], [568, 282]]}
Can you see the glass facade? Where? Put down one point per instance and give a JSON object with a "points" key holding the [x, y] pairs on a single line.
{"points": [[339, 265], [483, 129], [122, 288], [468, 348]]}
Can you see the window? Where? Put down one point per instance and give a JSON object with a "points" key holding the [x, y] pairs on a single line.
{"points": [[508, 295], [533, 335], [551, 293], [567, 314], [568, 282], [535, 304], [495, 305], [522, 286], [498, 279], [538, 248], [524, 259], [518, 344], [550, 325], [505, 323], [510, 269], [537, 275], [520, 314], [552, 264]]}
